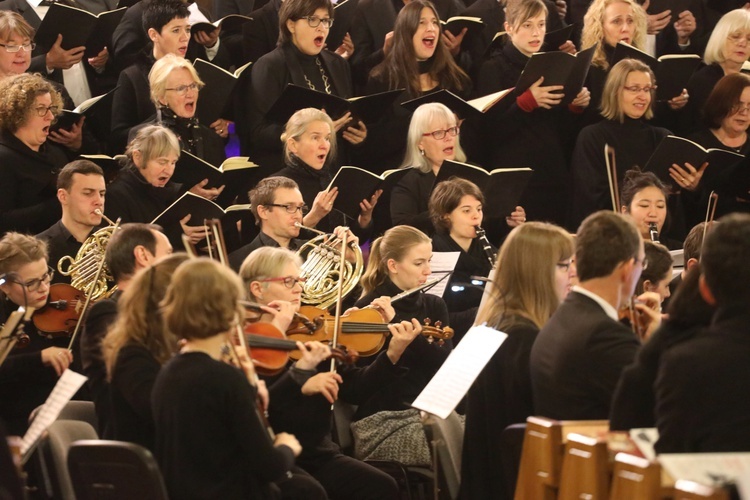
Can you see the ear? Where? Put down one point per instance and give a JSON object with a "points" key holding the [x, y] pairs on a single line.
{"points": [[508, 28], [256, 289], [648, 286], [290, 26], [691, 263], [262, 212], [137, 158], [624, 209], [142, 257], [705, 291], [391, 264], [62, 196], [152, 34]]}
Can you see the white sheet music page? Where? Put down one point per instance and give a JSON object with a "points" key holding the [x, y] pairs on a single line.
{"points": [[453, 380], [445, 262], [711, 469], [66, 387]]}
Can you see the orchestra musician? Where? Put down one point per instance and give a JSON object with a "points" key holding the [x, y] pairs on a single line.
{"points": [[196, 391], [400, 261], [531, 279], [645, 198], [80, 191], [304, 393], [580, 352], [135, 348], [29, 373], [28, 163], [456, 211], [657, 276], [133, 247]]}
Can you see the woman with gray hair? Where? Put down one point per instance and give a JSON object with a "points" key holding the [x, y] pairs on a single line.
{"points": [[309, 141], [432, 138], [175, 87]]}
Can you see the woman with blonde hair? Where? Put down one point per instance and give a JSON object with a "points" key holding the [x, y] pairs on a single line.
{"points": [[606, 23], [135, 348], [210, 441], [531, 279]]}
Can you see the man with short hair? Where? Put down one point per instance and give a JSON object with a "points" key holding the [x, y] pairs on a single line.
{"points": [[691, 254], [702, 402], [277, 204], [80, 190], [577, 358], [133, 247]]}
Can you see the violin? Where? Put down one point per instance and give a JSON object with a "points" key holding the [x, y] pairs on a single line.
{"points": [[59, 317], [363, 330], [630, 313], [270, 349]]}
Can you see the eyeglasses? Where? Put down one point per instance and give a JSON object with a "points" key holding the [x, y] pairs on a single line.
{"points": [[738, 37], [290, 209], [635, 89], [35, 284], [740, 107], [43, 110], [183, 89], [440, 134], [643, 262], [315, 21], [27, 47], [289, 281]]}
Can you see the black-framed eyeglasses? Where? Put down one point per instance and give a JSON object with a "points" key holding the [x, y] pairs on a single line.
{"points": [[183, 89], [35, 284], [290, 209], [440, 134], [739, 107], [289, 281], [27, 47], [43, 110], [643, 262], [315, 21]]}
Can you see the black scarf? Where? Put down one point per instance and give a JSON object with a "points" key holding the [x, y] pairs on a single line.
{"points": [[323, 175], [186, 129]]}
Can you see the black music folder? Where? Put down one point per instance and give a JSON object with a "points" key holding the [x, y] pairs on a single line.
{"points": [[217, 93], [673, 149], [356, 184], [672, 71], [369, 108], [463, 108], [191, 170], [78, 28], [502, 187], [199, 208], [558, 68]]}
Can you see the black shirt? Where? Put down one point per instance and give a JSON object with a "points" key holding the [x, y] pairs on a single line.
{"points": [[59, 244]]}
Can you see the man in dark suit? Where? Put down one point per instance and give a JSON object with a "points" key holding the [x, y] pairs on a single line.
{"points": [[577, 358], [702, 386], [271, 200], [691, 254]]}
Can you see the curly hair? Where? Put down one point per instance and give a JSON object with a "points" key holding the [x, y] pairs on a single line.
{"points": [[593, 29], [19, 95], [401, 68]]}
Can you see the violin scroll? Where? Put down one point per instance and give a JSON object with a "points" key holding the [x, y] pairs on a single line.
{"points": [[436, 331]]}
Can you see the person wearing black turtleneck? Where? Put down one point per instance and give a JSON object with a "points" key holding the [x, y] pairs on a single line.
{"points": [[299, 60], [627, 103]]}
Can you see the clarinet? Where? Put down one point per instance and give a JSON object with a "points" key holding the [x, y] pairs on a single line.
{"points": [[482, 235], [653, 232]]}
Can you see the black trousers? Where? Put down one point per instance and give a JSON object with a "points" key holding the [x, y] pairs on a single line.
{"points": [[346, 478]]}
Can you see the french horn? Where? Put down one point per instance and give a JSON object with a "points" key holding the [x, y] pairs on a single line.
{"points": [[82, 269], [321, 258]]}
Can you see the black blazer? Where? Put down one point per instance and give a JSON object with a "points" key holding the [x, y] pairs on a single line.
{"points": [[28, 185], [260, 137], [131, 103], [701, 389], [577, 359], [259, 36]]}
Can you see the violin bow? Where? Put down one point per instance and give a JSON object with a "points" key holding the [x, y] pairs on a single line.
{"points": [[614, 192], [713, 200], [339, 299], [99, 270]]}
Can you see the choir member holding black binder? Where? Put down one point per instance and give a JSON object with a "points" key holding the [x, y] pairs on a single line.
{"points": [[419, 62], [300, 60], [532, 128]]}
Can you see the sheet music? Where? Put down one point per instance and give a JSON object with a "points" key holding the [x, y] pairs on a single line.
{"points": [[645, 438], [441, 263], [7, 337], [453, 380], [66, 387], [711, 469]]}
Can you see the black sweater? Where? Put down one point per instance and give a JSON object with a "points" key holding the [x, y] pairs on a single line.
{"points": [[422, 358], [210, 442]]}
